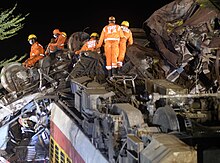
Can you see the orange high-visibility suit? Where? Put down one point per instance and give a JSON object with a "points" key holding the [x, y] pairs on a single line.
{"points": [[89, 45], [58, 45], [124, 42], [36, 53], [111, 35]]}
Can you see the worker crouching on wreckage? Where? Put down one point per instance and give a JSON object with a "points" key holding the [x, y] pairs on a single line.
{"points": [[58, 43], [36, 53]]}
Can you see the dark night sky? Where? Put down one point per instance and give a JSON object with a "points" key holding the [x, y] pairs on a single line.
{"points": [[44, 16]]}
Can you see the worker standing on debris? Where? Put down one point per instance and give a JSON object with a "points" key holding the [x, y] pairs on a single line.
{"points": [[59, 42], [111, 35], [124, 42], [91, 44], [36, 53]]}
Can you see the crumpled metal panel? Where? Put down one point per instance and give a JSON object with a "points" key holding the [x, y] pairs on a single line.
{"points": [[168, 13], [166, 149]]}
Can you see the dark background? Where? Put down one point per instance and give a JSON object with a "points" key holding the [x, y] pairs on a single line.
{"points": [[70, 16]]}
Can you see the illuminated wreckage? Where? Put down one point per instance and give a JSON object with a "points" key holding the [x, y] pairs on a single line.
{"points": [[162, 106]]}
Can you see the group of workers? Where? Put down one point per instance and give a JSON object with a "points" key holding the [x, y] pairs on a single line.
{"points": [[38, 52], [114, 38]]}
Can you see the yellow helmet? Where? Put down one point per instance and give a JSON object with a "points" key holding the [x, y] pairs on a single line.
{"points": [[64, 33], [94, 34], [125, 23], [111, 18], [31, 36]]}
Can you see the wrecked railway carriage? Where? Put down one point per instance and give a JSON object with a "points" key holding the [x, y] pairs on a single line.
{"points": [[163, 107]]}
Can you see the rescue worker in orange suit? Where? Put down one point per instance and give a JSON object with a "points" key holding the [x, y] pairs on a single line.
{"points": [[111, 35], [59, 42], [91, 44], [36, 53], [124, 43]]}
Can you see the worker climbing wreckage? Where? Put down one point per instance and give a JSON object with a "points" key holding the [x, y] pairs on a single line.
{"points": [[91, 44], [110, 36], [124, 43], [57, 44]]}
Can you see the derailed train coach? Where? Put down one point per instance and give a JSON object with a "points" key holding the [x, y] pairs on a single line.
{"points": [[162, 107], [99, 130]]}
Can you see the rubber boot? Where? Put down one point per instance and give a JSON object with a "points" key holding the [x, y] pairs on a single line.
{"points": [[119, 70], [114, 71], [109, 73]]}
